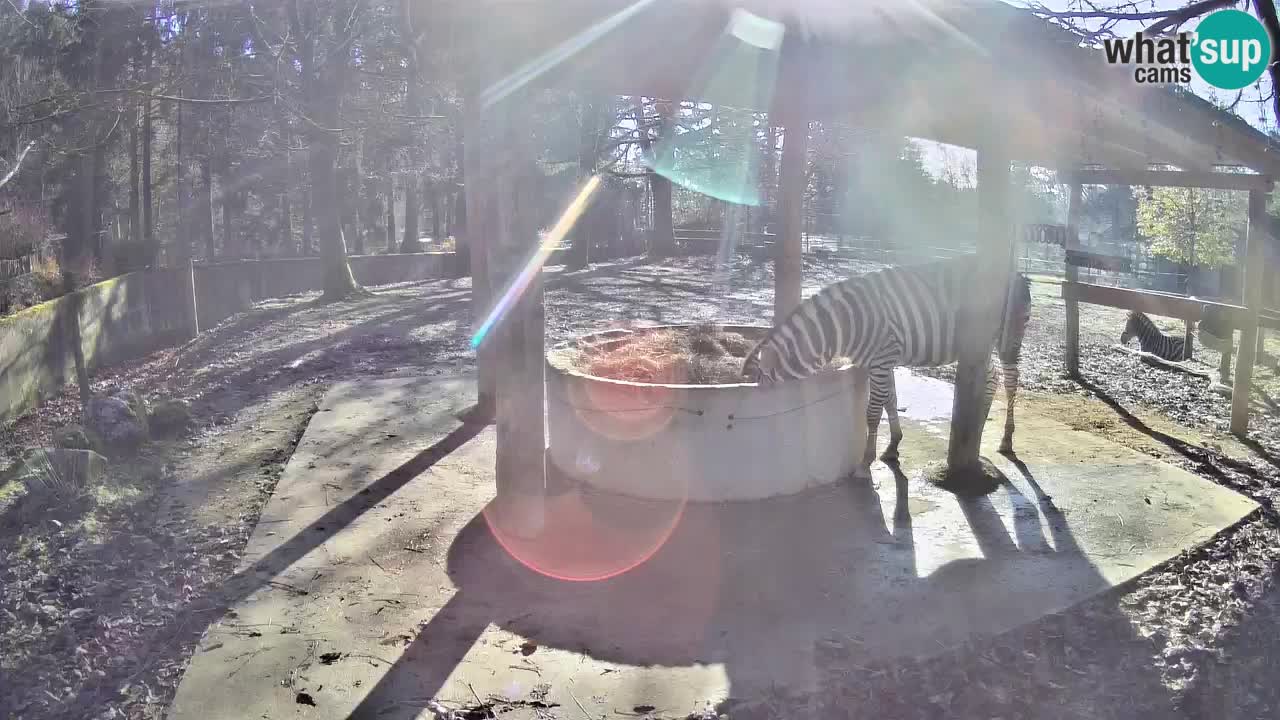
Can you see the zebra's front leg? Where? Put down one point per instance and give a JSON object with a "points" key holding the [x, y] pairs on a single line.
{"points": [[879, 382], [989, 395], [895, 428]]}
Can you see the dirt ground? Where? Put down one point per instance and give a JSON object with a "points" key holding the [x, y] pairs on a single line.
{"points": [[102, 600]]}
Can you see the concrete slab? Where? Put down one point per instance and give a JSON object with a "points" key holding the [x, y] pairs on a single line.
{"points": [[375, 586]]}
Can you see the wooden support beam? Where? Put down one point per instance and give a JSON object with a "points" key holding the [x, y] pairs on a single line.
{"points": [[981, 314], [788, 272], [1075, 205], [480, 216], [516, 339], [1172, 178], [1259, 234], [1151, 302]]}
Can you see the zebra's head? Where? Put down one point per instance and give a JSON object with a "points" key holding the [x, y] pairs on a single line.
{"points": [[1130, 328], [786, 353], [761, 365]]}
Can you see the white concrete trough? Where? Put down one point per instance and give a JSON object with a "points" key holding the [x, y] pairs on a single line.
{"points": [[702, 443]]}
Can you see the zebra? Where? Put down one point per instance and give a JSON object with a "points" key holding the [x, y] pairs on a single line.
{"points": [[901, 316], [1151, 340]]}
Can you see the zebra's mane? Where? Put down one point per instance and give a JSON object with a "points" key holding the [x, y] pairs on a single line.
{"points": [[1141, 319]]}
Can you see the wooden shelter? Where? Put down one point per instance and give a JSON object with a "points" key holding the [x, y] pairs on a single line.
{"points": [[974, 73]]}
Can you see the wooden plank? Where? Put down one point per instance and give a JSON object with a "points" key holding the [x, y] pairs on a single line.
{"points": [[1172, 178], [1150, 302], [981, 314], [1075, 205], [789, 263], [1259, 233]]}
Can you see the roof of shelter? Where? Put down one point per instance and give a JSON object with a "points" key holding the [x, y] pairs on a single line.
{"points": [[965, 72]]}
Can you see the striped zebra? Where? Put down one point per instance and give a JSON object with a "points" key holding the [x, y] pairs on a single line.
{"points": [[902, 316], [1151, 340]]}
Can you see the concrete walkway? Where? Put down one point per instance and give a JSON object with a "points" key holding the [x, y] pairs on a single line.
{"points": [[374, 587]]}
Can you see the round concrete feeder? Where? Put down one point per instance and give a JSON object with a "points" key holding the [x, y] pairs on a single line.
{"points": [[702, 442]]}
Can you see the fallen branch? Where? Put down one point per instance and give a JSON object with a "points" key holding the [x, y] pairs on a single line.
{"points": [[1147, 357]]}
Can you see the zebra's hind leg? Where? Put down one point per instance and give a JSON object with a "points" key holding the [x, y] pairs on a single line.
{"points": [[895, 428], [1010, 396], [879, 381]]}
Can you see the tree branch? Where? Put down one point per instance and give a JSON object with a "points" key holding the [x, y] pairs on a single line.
{"points": [[17, 164], [1191, 11]]}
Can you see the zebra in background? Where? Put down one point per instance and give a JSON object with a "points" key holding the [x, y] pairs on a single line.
{"points": [[1151, 340], [901, 316]]}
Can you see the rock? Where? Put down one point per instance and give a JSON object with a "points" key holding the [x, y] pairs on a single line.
{"points": [[114, 426], [171, 419], [60, 471], [71, 437], [139, 406]]}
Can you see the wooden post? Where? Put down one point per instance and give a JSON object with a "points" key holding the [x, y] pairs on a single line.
{"points": [[980, 316], [1188, 338], [788, 268], [516, 339], [1252, 295], [480, 209], [1075, 205]]}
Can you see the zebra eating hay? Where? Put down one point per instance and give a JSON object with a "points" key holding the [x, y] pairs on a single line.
{"points": [[1151, 340], [901, 316]]}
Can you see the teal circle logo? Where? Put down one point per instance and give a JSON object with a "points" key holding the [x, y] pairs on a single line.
{"points": [[1231, 49]]}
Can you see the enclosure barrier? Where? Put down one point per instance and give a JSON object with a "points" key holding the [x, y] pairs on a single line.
{"points": [[1244, 318], [138, 313]]}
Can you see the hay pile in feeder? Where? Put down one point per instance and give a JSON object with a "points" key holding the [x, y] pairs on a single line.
{"points": [[701, 355]]}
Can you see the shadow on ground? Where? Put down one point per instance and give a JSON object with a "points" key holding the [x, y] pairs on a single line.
{"points": [[773, 594]]}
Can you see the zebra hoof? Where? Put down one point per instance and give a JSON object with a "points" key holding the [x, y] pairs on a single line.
{"points": [[890, 456], [1006, 448], [863, 472]]}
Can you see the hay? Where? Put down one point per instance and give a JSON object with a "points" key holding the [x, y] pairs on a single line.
{"points": [[701, 355]]}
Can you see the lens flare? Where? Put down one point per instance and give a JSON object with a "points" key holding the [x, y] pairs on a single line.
{"points": [[719, 157], [588, 536], [539, 66], [534, 264]]}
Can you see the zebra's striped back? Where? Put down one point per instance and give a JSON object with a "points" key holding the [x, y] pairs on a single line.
{"points": [[913, 310], [1151, 340]]}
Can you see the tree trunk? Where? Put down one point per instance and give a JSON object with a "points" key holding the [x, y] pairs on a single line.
{"points": [[230, 249], [148, 217], [436, 204], [391, 212], [204, 219], [286, 223], [454, 200], [324, 105], [663, 243], [664, 233], [584, 231], [135, 221], [308, 222], [411, 214]]}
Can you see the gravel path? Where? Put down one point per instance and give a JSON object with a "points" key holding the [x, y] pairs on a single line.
{"points": [[1196, 638]]}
